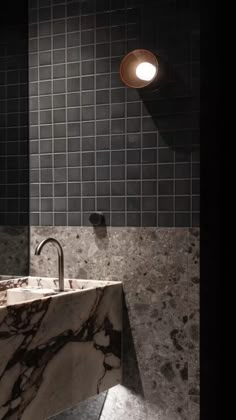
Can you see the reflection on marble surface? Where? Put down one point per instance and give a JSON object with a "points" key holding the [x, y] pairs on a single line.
{"points": [[14, 250], [57, 351], [159, 268]]}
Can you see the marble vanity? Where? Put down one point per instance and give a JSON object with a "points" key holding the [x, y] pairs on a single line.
{"points": [[57, 349]]}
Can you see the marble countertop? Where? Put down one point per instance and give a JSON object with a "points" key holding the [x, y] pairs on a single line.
{"points": [[58, 350]]}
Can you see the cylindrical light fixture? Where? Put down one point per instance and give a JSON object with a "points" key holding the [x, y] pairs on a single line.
{"points": [[139, 69]]}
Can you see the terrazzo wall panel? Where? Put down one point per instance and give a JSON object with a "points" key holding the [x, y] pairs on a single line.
{"points": [[97, 146], [160, 272]]}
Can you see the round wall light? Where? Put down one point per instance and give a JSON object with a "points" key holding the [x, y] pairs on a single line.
{"points": [[139, 69]]}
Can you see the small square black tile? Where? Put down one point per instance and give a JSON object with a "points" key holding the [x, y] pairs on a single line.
{"points": [[87, 52], [102, 158], [133, 219], [88, 98], [74, 204], [103, 204], [88, 144], [166, 204], [149, 219], [46, 219], [60, 190], [74, 174], [182, 170], [117, 142], [102, 128], [60, 175], [59, 27], [102, 97], [149, 188], [103, 173], [133, 203], [88, 204], [149, 203], [118, 126], [117, 95], [166, 171], [88, 173], [88, 189], [102, 66], [74, 189], [73, 159], [133, 156], [60, 204], [133, 171], [73, 99], [87, 68], [165, 219], [182, 187], [102, 82], [102, 112], [182, 220], [47, 204], [118, 219], [117, 188], [60, 219], [103, 188], [117, 157], [149, 156], [74, 219], [87, 38]]}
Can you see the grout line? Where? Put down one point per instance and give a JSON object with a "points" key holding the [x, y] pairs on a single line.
{"points": [[157, 179], [110, 131], [174, 180], [39, 125], [66, 124], [52, 116], [81, 132], [95, 114]]}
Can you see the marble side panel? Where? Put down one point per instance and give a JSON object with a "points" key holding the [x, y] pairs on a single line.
{"points": [[57, 351], [159, 268], [14, 250]]}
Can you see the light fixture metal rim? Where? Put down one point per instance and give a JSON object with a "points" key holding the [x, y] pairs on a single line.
{"points": [[133, 52]]}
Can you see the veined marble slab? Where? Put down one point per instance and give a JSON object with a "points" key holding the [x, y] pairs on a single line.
{"points": [[59, 350]]}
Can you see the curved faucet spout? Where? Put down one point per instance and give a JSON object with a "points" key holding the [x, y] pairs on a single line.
{"points": [[60, 259]]}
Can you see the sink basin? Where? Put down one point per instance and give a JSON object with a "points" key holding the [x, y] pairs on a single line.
{"points": [[23, 294], [22, 287], [57, 348]]}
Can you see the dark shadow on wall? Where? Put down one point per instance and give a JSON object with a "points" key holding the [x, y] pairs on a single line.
{"points": [[171, 31], [14, 141], [173, 108], [131, 375]]}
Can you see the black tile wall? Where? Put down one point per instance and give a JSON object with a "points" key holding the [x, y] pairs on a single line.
{"points": [[14, 139], [96, 145]]}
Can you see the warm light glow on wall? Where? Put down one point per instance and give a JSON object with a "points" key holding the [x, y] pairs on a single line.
{"points": [[139, 68]]}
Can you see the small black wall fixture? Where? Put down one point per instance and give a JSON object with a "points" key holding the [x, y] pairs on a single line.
{"points": [[97, 219], [141, 69]]}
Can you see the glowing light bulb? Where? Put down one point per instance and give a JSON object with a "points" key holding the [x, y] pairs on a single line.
{"points": [[146, 71]]}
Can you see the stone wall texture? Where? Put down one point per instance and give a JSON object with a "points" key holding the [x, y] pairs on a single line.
{"points": [[159, 268]]}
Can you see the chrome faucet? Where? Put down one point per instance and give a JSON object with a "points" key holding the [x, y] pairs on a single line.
{"points": [[60, 259]]}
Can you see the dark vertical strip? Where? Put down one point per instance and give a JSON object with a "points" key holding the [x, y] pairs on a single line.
{"points": [[211, 213], [14, 139]]}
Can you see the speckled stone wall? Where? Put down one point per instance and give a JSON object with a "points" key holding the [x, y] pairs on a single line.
{"points": [[14, 250], [159, 268]]}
